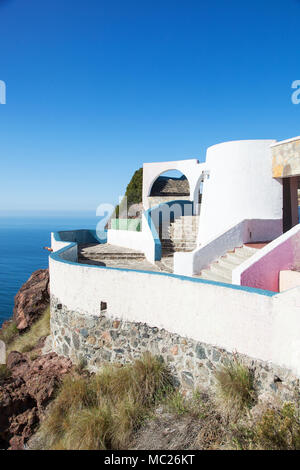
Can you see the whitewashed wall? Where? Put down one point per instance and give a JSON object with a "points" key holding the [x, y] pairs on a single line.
{"points": [[57, 244], [240, 186], [285, 340], [229, 317], [127, 239]]}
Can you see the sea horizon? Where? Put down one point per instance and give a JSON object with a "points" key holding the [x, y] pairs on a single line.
{"points": [[23, 235]]}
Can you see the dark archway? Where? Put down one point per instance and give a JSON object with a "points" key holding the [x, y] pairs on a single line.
{"points": [[170, 184]]}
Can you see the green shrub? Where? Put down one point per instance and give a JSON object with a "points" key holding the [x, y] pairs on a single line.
{"points": [[273, 429], [134, 191], [279, 429]]}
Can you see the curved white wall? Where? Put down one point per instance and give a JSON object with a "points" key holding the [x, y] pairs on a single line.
{"points": [[240, 186], [256, 323]]}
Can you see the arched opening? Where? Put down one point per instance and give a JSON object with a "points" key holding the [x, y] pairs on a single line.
{"points": [[169, 186]]}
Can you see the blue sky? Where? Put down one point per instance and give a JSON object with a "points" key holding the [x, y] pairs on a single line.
{"points": [[96, 88]]}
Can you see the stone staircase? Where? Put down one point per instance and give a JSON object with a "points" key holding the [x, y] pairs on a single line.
{"points": [[106, 252], [221, 269], [182, 235]]}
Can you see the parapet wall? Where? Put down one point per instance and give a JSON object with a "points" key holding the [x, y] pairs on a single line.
{"points": [[98, 339], [259, 324]]}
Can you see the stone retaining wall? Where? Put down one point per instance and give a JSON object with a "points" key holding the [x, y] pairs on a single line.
{"points": [[100, 339]]}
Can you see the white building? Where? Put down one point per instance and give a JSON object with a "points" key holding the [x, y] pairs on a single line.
{"points": [[237, 198], [222, 245]]}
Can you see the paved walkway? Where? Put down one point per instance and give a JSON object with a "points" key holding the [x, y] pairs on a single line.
{"points": [[119, 257]]}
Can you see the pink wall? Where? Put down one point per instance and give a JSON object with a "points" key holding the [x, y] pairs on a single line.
{"points": [[264, 273]]}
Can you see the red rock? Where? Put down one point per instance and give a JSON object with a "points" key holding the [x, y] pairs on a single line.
{"points": [[16, 359], [16, 443], [32, 299], [26, 393]]}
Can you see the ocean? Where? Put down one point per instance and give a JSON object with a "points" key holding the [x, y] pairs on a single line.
{"points": [[22, 238]]}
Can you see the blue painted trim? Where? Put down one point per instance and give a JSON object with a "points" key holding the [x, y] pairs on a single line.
{"points": [[56, 257], [157, 242], [148, 216], [81, 236]]}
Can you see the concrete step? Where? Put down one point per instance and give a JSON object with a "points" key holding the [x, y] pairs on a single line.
{"points": [[103, 256], [165, 265], [184, 223], [221, 271], [239, 257], [245, 250], [233, 259], [178, 242], [184, 248], [183, 235], [183, 227], [210, 276], [229, 262], [183, 241]]}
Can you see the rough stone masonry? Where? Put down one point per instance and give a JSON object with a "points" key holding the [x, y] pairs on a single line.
{"points": [[97, 340]]}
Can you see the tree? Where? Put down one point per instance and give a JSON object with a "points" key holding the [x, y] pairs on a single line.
{"points": [[134, 190]]}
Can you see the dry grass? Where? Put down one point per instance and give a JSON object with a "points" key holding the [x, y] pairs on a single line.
{"points": [[102, 411], [178, 404], [9, 333], [137, 406], [4, 373], [234, 389], [26, 342]]}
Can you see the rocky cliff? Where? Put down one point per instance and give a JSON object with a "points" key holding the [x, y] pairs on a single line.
{"points": [[25, 393], [30, 378], [32, 299]]}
